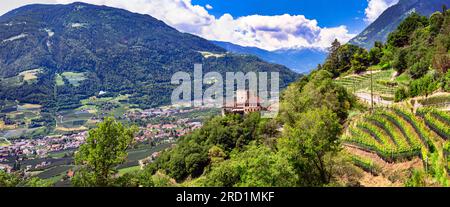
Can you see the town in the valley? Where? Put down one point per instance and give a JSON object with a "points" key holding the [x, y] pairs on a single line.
{"points": [[161, 128], [52, 156]]}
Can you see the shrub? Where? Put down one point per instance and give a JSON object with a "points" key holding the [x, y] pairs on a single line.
{"points": [[401, 94]]}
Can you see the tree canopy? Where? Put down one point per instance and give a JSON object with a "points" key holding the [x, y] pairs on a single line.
{"points": [[105, 148]]}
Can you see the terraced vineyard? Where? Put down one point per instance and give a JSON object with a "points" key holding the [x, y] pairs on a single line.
{"points": [[366, 164], [392, 134], [361, 83], [436, 120], [436, 101]]}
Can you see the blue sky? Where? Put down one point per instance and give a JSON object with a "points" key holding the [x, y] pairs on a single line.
{"points": [[329, 13], [267, 24]]}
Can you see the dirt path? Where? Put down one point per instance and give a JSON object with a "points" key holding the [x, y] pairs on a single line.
{"points": [[394, 75], [367, 97], [369, 180]]}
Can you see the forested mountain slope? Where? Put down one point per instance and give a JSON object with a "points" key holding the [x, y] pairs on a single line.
{"points": [[392, 17], [56, 55]]}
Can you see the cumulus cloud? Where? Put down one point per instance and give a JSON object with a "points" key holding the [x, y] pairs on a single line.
{"points": [[274, 32], [267, 32], [181, 14], [208, 6], [376, 7]]}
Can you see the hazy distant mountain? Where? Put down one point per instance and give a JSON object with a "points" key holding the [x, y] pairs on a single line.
{"points": [[300, 60], [393, 16], [104, 49]]}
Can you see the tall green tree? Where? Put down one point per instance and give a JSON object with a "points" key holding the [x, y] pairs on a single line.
{"points": [[401, 37], [257, 166], [340, 58], [311, 143], [105, 148], [436, 22], [376, 53], [309, 93], [400, 62], [423, 86], [360, 62]]}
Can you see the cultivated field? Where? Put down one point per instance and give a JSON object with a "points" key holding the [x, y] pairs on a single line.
{"points": [[74, 78], [397, 137], [384, 83], [30, 75]]}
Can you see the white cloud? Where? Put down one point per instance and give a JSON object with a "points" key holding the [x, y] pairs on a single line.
{"points": [[274, 32], [181, 14], [7, 5], [267, 32], [208, 6], [376, 7]]}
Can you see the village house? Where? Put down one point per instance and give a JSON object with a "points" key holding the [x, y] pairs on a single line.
{"points": [[245, 102]]}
